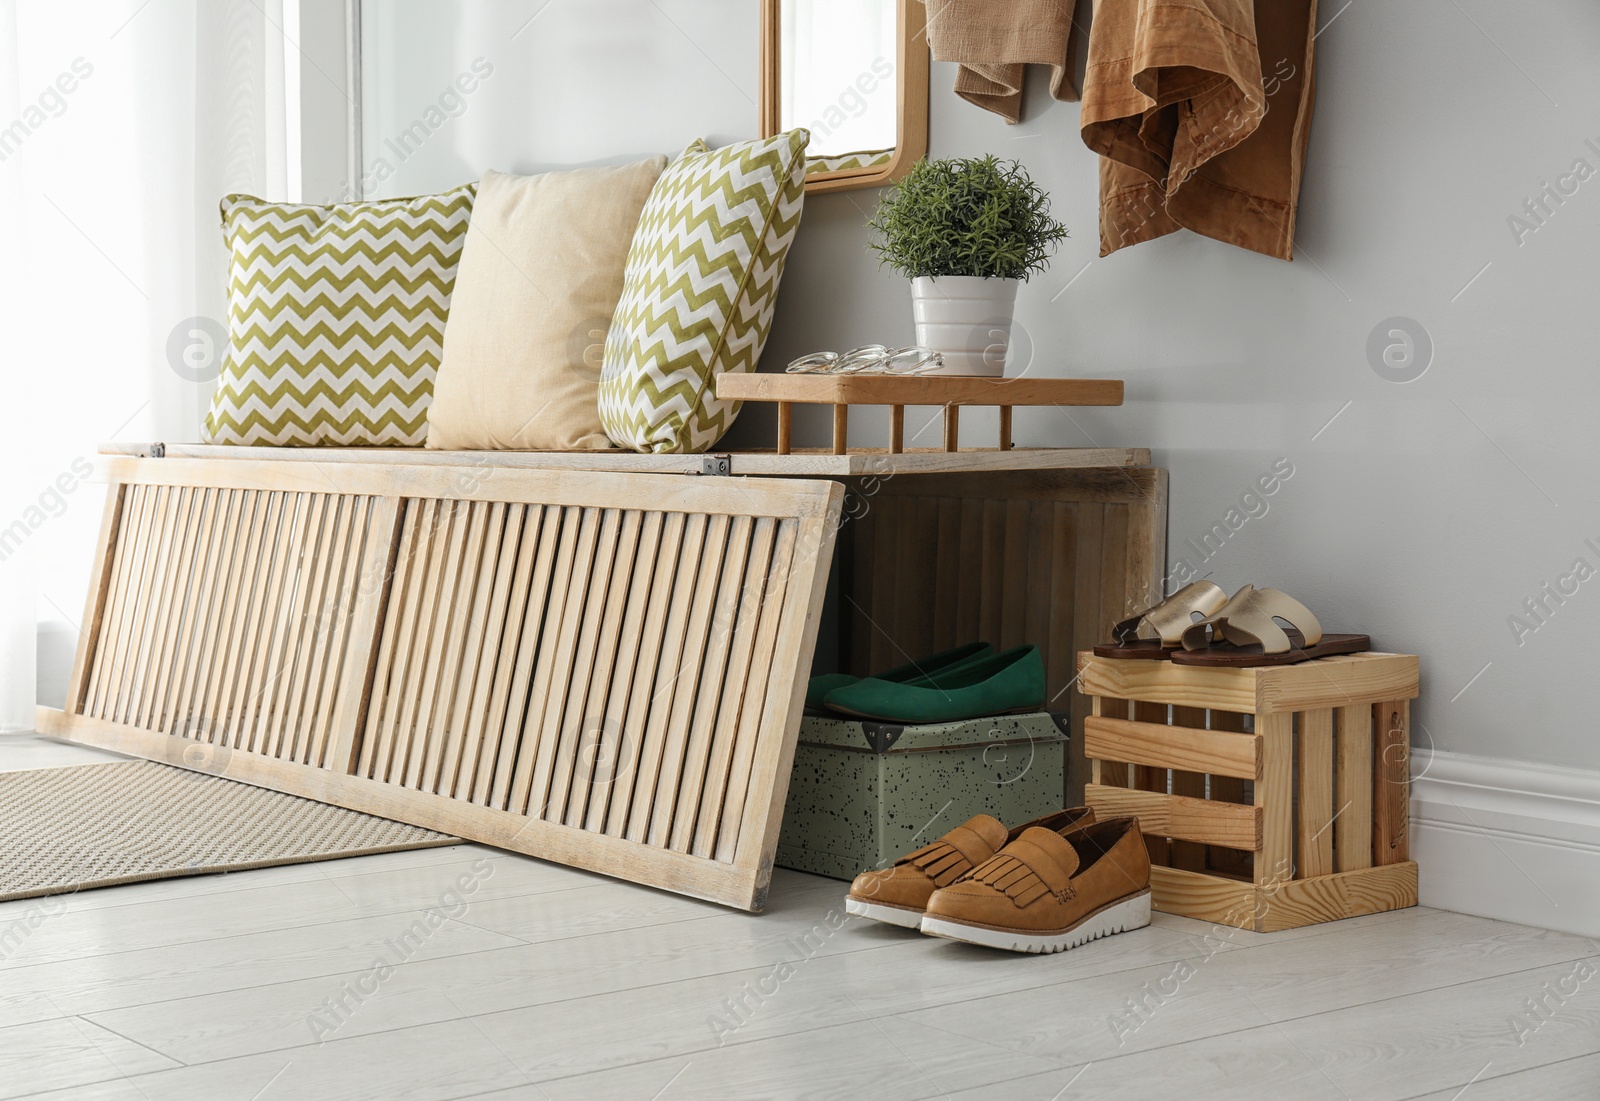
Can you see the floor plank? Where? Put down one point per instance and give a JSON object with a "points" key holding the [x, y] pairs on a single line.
{"points": [[68, 1051], [1570, 1080]]}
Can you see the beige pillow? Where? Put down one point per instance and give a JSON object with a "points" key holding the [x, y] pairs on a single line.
{"points": [[540, 276]]}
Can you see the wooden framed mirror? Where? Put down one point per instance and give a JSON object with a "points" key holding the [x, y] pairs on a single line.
{"points": [[854, 73]]}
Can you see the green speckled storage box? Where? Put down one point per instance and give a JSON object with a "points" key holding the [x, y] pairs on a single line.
{"points": [[863, 794]]}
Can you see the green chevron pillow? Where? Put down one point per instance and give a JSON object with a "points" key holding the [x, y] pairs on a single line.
{"points": [[336, 319], [699, 289]]}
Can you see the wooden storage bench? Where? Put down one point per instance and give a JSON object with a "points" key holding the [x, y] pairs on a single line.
{"points": [[1270, 798], [595, 658]]}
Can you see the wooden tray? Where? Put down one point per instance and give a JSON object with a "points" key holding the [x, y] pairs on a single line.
{"points": [[899, 391]]}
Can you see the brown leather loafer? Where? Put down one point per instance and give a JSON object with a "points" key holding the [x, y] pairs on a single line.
{"points": [[1050, 890], [898, 894]]}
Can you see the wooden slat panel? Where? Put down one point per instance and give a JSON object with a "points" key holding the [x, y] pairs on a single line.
{"points": [[530, 728], [374, 549], [606, 664], [1200, 751], [294, 657], [1274, 798], [399, 673], [88, 666], [1391, 801], [713, 678], [265, 665], [610, 754], [141, 643], [753, 593], [552, 801], [445, 576], [631, 668], [499, 647], [1161, 815], [668, 673], [177, 608], [1352, 789], [1314, 794], [753, 715], [635, 723], [211, 723], [311, 704], [486, 619], [405, 765], [196, 663], [466, 562], [256, 616], [542, 728], [530, 589], [684, 693]]}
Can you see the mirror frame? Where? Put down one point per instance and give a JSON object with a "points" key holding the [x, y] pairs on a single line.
{"points": [[911, 87]]}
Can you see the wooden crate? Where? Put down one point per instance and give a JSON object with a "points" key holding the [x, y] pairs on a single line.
{"points": [[1269, 798]]}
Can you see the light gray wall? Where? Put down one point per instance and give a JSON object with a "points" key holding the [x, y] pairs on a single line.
{"points": [[1424, 513]]}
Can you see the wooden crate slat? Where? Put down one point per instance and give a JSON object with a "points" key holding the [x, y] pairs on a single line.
{"points": [[1204, 897], [1218, 752], [1334, 897], [1314, 793], [1162, 815], [1191, 783], [1391, 829], [1274, 797], [1352, 789]]}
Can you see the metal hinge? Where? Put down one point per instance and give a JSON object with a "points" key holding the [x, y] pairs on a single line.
{"points": [[158, 451], [715, 464]]}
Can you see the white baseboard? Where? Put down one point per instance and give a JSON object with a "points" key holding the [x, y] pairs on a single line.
{"points": [[1508, 840]]}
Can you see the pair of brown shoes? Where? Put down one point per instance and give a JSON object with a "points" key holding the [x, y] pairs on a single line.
{"points": [[1045, 886]]}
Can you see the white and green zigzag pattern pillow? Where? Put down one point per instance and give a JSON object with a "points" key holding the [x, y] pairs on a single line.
{"points": [[336, 319], [699, 290]]}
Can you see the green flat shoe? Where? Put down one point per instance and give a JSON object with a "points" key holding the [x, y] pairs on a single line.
{"points": [[1005, 682], [817, 691]]}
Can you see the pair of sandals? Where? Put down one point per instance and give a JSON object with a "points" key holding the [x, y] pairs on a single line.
{"points": [[1201, 624]]}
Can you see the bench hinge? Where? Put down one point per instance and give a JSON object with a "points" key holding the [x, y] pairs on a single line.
{"points": [[158, 451], [721, 465]]}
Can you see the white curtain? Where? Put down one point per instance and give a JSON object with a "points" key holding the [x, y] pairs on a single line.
{"points": [[122, 123]]}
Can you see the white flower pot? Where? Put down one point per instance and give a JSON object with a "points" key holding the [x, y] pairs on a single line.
{"points": [[967, 319]]}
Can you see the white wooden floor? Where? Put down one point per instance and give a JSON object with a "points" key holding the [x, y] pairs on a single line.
{"points": [[550, 983]]}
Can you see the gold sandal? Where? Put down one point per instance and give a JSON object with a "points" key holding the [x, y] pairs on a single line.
{"points": [[1245, 633], [1157, 632]]}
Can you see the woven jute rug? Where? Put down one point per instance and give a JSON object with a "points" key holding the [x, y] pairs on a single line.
{"points": [[69, 829]]}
